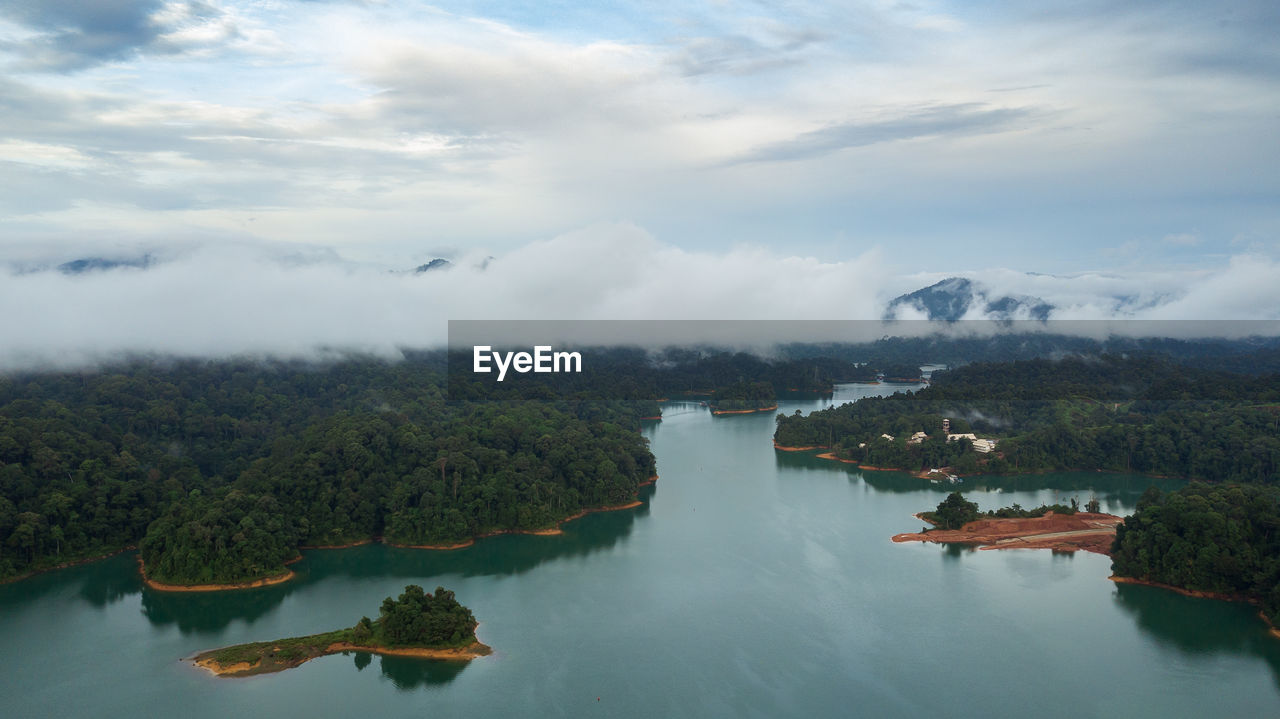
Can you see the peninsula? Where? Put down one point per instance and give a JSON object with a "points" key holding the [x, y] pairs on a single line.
{"points": [[417, 624], [1058, 527]]}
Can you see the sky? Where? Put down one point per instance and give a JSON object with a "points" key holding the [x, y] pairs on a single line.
{"points": [[868, 148]]}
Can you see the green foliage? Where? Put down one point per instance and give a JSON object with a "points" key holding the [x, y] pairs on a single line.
{"points": [[219, 471], [744, 396], [1138, 414], [1017, 512], [1223, 539], [232, 537], [416, 618], [954, 512]]}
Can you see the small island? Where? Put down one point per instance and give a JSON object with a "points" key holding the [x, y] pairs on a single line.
{"points": [[417, 624]]}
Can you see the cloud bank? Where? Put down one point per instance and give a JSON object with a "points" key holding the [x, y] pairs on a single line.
{"points": [[229, 300]]}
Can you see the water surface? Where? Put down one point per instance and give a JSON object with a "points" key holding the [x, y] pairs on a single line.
{"points": [[751, 583]]}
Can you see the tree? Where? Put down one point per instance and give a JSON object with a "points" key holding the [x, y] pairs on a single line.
{"points": [[955, 511]]}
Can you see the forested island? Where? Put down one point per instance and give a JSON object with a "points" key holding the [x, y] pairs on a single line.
{"points": [[219, 472], [744, 398], [416, 624]]}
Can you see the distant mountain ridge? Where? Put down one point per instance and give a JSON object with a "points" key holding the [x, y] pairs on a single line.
{"points": [[98, 264], [953, 298], [438, 263]]}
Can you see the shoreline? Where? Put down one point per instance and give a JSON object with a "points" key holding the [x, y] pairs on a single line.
{"points": [[1272, 629], [545, 532], [718, 412], [830, 455], [289, 574], [217, 587], [348, 545], [464, 653], [70, 563], [784, 448]]}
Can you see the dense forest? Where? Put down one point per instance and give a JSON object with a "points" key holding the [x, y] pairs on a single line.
{"points": [[744, 397], [641, 375], [1134, 414], [1218, 539], [220, 471], [418, 619]]}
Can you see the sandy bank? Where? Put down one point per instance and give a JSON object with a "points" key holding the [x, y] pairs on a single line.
{"points": [[744, 411], [467, 653], [264, 582], [273, 663], [1201, 594], [1092, 532]]}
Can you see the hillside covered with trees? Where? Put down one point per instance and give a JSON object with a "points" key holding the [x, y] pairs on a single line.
{"points": [[220, 471], [1218, 539], [1129, 414]]}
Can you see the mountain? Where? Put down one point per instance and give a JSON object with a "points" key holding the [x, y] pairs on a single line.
{"points": [[955, 297], [97, 264], [436, 264]]}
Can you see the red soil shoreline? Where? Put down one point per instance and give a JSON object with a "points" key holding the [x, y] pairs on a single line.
{"points": [[1092, 532], [264, 582], [1201, 594]]}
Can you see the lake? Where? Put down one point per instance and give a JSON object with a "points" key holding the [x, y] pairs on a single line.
{"points": [[750, 583]]}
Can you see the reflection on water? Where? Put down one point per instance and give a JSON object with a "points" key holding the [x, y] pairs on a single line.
{"points": [[362, 660], [407, 673], [1200, 626], [106, 585], [210, 612], [100, 583]]}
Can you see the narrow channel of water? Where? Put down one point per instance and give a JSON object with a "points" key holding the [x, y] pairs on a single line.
{"points": [[751, 583]]}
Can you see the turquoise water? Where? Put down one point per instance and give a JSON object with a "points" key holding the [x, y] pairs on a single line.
{"points": [[750, 583]]}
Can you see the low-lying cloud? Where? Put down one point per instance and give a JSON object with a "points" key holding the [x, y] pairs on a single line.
{"points": [[247, 300]]}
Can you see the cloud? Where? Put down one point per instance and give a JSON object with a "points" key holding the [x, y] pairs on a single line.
{"points": [[72, 35], [224, 300], [947, 120], [1183, 239]]}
